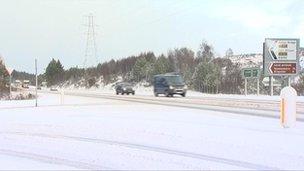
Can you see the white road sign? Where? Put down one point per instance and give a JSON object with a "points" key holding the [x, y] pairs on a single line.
{"points": [[276, 83], [282, 50], [281, 57]]}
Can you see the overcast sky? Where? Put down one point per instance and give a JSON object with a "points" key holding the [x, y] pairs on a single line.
{"points": [[46, 29]]}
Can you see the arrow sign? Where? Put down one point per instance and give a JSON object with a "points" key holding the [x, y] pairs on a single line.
{"points": [[283, 68], [281, 57], [272, 53], [282, 50]]}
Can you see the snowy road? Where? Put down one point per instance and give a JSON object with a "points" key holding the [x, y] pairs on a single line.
{"points": [[258, 106], [95, 133]]}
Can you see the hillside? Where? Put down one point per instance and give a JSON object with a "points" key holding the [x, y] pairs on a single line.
{"points": [[247, 60]]}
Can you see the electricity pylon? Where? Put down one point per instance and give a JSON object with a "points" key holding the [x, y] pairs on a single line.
{"points": [[91, 47]]}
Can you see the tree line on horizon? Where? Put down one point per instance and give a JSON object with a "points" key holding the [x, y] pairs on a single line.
{"points": [[202, 71]]}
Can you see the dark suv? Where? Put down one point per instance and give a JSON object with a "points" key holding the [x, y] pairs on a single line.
{"points": [[169, 84], [124, 88]]}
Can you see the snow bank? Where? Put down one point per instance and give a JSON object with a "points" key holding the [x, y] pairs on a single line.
{"points": [[122, 135]]}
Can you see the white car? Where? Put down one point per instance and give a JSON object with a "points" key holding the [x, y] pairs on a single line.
{"points": [[54, 89]]}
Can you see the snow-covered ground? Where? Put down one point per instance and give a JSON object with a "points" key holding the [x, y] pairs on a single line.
{"points": [[247, 60], [93, 133], [13, 162]]}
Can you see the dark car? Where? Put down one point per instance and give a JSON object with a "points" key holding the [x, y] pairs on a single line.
{"points": [[169, 84], [124, 88]]}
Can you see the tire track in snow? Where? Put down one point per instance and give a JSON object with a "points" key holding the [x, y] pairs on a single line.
{"points": [[241, 164], [52, 160]]}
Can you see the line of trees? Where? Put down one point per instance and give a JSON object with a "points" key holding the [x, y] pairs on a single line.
{"points": [[17, 75], [201, 70]]}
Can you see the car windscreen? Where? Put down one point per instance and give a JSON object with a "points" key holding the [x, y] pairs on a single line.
{"points": [[127, 85], [175, 80]]}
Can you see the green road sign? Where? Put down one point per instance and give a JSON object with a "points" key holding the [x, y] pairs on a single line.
{"points": [[251, 73], [255, 73], [247, 73]]}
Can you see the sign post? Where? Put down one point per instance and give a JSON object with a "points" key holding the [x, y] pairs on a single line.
{"points": [[36, 89], [10, 86], [258, 86], [280, 58], [245, 86], [251, 73], [271, 85], [10, 71]]}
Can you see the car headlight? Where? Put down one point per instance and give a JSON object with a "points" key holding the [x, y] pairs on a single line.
{"points": [[185, 87], [171, 87]]}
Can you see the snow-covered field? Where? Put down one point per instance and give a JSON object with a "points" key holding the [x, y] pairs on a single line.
{"points": [[93, 133], [13, 162]]}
